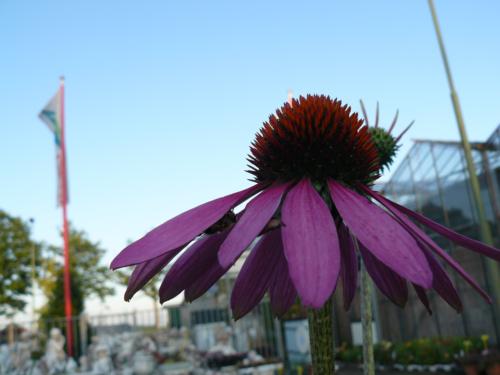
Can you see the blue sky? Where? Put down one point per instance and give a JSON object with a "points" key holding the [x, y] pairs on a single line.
{"points": [[163, 98]]}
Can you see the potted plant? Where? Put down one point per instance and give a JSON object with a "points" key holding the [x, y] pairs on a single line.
{"points": [[470, 363], [491, 363]]}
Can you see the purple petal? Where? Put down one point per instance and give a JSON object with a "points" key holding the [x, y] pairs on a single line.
{"points": [[453, 236], [256, 274], [427, 241], [180, 230], [257, 214], [382, 235], [389, 282], [443, 285], [146, 271], [194, 262], [349, 268], [422, 296], [282, 293], [205, 281], [310, 244]]}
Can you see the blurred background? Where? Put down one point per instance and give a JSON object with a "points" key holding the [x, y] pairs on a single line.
{"points": [[162, 100]]}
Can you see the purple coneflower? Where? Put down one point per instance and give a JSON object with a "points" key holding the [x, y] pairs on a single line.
{"points": [[311, 210]]}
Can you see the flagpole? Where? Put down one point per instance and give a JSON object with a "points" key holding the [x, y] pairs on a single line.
{"points": [[64, 200]]}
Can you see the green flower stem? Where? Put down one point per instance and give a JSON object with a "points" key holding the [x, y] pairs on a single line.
{"points": [[366, 319], [321, 339]]}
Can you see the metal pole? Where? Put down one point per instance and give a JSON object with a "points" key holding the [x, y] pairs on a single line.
{"points": [[491, 187], [492, 273], [67, 275]]}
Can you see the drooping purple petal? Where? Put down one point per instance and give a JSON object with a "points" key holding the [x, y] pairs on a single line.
{"points": [[180, 230], [427, 241], [453, 236], [205, 281], [349, 268], [282, 293], [256, 274], [310, 244], [422, 296], [257, 213], [388, 282], [146, 271], [197, 258], [442, 283], [382, 235]]}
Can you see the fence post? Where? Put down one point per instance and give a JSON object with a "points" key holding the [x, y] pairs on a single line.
{"points": [[156, 311], [83, 333], [134, 319], [10, 333], [279, 338]]}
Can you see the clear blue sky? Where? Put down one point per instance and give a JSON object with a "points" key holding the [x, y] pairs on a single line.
{"points": [[163, 97]]}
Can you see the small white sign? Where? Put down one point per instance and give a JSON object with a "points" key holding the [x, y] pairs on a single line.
{"points": [[357, 333]]}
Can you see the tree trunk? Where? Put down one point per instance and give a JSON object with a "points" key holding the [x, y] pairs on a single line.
{"points": [[156, 310]]}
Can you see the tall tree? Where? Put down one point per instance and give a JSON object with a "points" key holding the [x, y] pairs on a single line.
{"points": [[16, 252], [93, 277], [53, 313], [55, 300]]}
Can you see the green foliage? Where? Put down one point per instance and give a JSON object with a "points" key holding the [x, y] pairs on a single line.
{"points": [[425, 351], [349, 354], [403, 353], [16, 249], [53, 313], [383, 352], [55, 303], [85, 263]]}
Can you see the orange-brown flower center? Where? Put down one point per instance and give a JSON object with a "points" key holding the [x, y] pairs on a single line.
{"points": [[314, 137]]}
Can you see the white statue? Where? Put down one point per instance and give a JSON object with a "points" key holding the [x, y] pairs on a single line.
{"points": [[71, 366], [125, 350], [84, 363], [55, 357], [91, 350], [223, 342], [148, 344], [5, 359], [102, 361], [21, 357], [143, 362]]}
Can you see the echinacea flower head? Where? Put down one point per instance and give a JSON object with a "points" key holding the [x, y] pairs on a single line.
{"points": [[310, 215], [317, 138]]}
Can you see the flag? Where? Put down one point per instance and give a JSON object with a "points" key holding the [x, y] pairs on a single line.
{"points": [[51, 115]]}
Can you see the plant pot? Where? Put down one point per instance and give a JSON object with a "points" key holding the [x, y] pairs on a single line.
{"points": [[493, 369], [471, 369], [470, 363], [491, 362]]}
